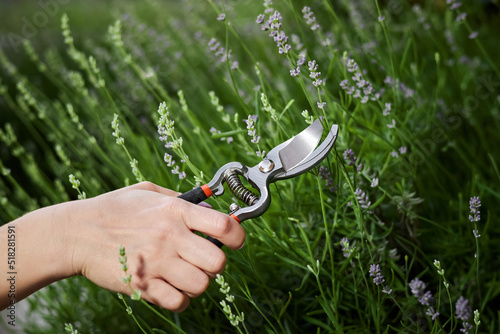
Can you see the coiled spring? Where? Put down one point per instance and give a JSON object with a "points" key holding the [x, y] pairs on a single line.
{"points": [[238, 189]]}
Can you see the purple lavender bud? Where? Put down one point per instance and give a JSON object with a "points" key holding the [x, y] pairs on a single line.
{"points": [[317, 82], [344, 84], [432, 313], [466, 327], [314, 75], [375, 273], [463, 309], [417, 287], [221, 17], [473, 35], [260, 19], [295, 72], [474, 205], [301, 61], [426, 298], [349, 157], [387, 290], [344, 242], [461, 17], [312, 65]]}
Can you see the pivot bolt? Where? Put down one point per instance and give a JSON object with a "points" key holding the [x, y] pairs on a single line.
{"points": [[234, 207], [266, 166]]}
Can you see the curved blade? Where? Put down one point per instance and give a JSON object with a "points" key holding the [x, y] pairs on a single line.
{"points": [[316, 157], [301, 146]]}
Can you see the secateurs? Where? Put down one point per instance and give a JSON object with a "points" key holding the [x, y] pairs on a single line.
{"points": [[291, 158]]}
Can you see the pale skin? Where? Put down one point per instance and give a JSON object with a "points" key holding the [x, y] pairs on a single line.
{"points": [[168, 262]]}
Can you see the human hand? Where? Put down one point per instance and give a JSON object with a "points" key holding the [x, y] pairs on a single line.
{"points": [[169, 263]]}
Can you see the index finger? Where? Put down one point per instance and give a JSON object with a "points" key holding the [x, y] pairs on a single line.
{"points": [[214, 224]]}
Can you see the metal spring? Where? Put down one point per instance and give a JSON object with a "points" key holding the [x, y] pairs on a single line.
{"points": [[238, 189]]}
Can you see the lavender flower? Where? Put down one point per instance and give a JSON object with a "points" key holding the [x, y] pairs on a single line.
{"points": [[426, 299], [392, 125], [474, 205], [432, 313], [464, 312], [260, 19], [461, 17], [378, 278], [466, 327], [301, 61], [387, 290], [344, 242], [374, 182], [310, 18], [363, 200], [403, 149], [252, 132], [221, 17], [295, 71], [218, 50], [463, 309], [325, 174], [417, 287], [387, 109], [473, 35], [314, 74], [351, 159], [279, 36], [361, 87], [321, 105]]}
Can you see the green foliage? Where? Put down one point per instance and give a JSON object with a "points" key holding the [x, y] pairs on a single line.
{"points": [[423, 130]]}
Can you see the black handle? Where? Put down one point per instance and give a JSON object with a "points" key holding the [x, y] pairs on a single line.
{"points": [[196, 196]]}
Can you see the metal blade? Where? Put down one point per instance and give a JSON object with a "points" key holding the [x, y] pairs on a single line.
{"points": [[316, 157], [301, 146]]}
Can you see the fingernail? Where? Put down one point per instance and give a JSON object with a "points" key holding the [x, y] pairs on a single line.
{"points": [[242, 246], [206, 205]]}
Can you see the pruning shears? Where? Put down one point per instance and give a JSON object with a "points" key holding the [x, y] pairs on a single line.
{"points": [[295, 156]]}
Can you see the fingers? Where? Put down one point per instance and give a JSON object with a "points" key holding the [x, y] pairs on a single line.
{"points": [[215, 224], [203, 254], [165, 295], [185, 277]]}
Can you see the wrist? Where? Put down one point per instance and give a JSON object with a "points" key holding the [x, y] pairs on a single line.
{"points": [[43, 248]]}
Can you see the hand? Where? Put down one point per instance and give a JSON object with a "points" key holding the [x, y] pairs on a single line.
{"points": [[168, 262]]}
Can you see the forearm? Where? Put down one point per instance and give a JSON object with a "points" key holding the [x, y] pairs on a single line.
{"points": [[34, 252]]}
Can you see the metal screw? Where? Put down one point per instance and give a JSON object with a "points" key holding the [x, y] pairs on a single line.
{"points": [[266, 166], [234, 207]]}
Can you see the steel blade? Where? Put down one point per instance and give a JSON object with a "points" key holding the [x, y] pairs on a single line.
{"points": [[301, 146]]}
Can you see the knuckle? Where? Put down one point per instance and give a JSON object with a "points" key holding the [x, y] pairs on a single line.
{"points": [[146, 185], [222, 224], [178, 303], [201, 284], [217, 262]]}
